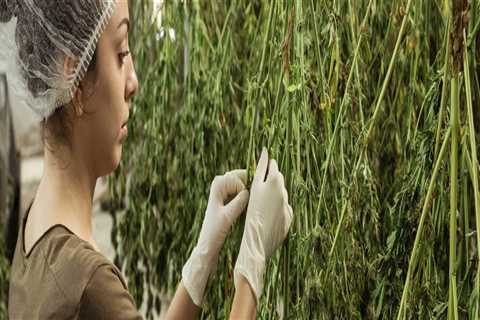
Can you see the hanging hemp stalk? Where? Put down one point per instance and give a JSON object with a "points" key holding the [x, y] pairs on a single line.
{"points": [[362, 106]]}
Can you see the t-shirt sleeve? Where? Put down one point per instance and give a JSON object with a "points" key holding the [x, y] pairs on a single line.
{"points": [[105, 297]]}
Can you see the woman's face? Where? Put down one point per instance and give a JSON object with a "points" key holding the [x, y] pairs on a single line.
{"points": [[100, 130]]}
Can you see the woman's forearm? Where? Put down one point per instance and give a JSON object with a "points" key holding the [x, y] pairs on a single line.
{"points": [[244, 303], [182, 306]]}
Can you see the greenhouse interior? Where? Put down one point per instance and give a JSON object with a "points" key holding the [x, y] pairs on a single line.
{"points": [[352, 124]]}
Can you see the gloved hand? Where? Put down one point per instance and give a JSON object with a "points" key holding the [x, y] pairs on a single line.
{"points": [[219, 217], [267, 223]]}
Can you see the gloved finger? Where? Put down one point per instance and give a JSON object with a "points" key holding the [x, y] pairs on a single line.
{"points": [[215, 186], [289, 219], [278, 181], [231, 186], [237, 206], [241, 173], [285, 195], [262, 166], [272, 169]]}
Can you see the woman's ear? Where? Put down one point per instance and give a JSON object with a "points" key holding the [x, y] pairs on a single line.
{"points": [[77, 104], [68, 67]]}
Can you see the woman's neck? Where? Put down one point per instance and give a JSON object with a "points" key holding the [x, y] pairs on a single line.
{"points": [[65, 193]]}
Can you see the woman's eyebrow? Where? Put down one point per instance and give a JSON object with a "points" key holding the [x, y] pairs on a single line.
{"points": [[125, 21]]}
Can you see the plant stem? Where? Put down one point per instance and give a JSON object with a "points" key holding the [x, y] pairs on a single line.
{"points": [[443, 100], [340, 115], [389, 71], [473, 150], [426, 207], [251, 101], [453, 309]]}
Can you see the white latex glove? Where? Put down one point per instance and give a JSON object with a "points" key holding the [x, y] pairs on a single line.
{"points": [[267, 223], [218, 220]]}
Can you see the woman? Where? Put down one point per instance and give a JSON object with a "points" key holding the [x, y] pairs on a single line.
{"points": [[80, 77]]}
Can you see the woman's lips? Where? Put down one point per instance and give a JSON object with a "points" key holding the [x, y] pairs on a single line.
{"points": [[123, 132]]}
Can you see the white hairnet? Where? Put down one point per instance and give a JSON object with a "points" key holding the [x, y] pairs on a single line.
{"points": [[48, 47]]}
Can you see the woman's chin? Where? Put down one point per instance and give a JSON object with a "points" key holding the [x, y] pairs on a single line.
{"points": [[113, 162], [117, 157]]}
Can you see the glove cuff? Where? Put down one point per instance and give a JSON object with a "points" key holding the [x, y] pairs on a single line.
{"points": [[252, 267], [195, 274]]}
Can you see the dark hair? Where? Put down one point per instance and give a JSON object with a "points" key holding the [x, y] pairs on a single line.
{"points": [[7, 10], [33, 41], [57, 128]]}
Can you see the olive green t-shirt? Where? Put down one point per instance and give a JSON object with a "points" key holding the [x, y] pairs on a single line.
{"points": [[63, 277]]}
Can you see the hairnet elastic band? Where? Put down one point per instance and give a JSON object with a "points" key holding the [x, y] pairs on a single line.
{"points": [[87, 55]]}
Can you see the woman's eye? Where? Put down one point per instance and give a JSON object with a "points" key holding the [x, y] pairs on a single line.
{"points": [[123, 55]]}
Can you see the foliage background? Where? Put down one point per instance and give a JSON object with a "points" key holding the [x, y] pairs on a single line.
{"points": [[357, 134]]}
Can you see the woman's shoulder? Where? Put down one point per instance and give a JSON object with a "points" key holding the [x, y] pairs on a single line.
{"points": [[107, 297], [61, 272], [104, 292], [72, 260], [65, 250]]}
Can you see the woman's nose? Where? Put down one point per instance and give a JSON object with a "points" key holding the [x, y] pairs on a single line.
{"points": [[132, 83]]}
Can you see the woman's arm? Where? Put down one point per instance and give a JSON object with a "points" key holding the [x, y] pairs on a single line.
{"points": [[244, 303], [218, 220], [268, 220], [182, 306]]}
